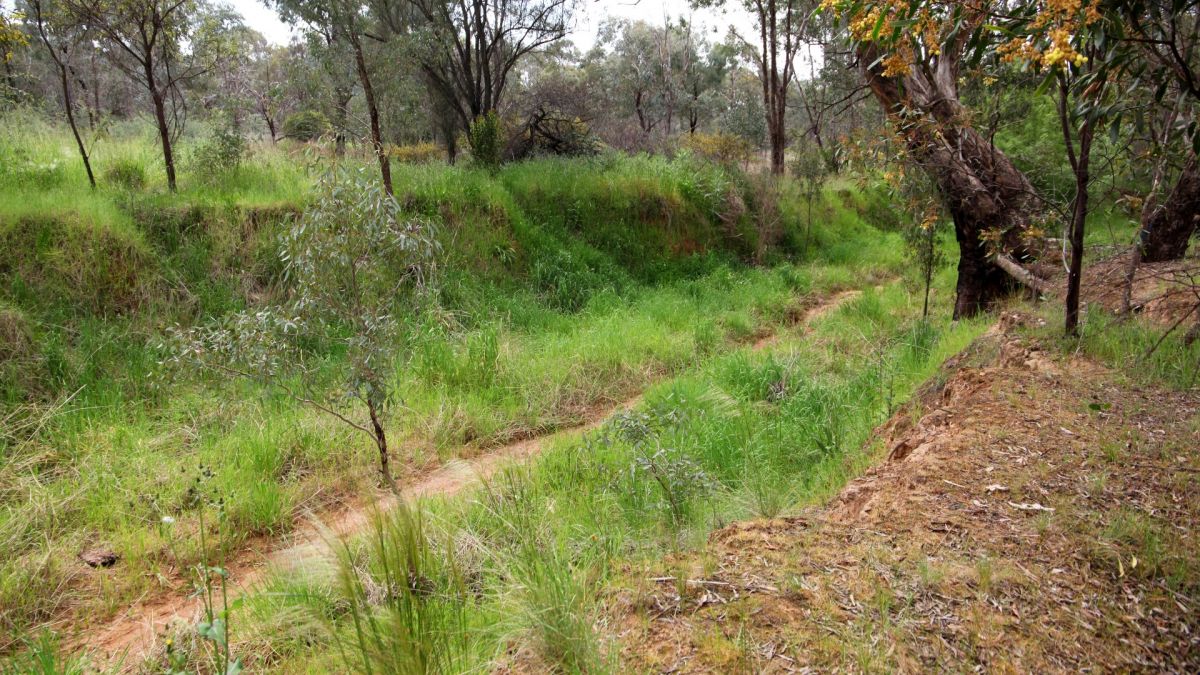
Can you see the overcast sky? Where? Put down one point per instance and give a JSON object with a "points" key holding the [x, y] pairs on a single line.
{"points": [[592, 12]]}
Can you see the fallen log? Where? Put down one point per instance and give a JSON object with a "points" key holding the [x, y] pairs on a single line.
{"points": [[1022, 275]]}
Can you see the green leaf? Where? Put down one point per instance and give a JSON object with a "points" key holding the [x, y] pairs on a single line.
{"points": [[878, 25], [214, 632]]}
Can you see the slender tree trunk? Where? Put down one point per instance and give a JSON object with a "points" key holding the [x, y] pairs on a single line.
{"points": [[164, 133], [1081, 165], [930, 245], [341, 119], [778, 136], [69, 105], [94, 115], [1168, 230], [381, 444], [64, 81], [364, 78]]}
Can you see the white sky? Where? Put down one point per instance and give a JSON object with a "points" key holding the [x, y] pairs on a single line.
{"points": [[591, 13]]}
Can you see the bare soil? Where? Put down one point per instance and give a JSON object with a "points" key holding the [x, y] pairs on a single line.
{"points": [[1029, 513], [1162, 292]]}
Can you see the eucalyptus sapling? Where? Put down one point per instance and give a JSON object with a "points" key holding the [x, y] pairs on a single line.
{"points": [[355, 264]]}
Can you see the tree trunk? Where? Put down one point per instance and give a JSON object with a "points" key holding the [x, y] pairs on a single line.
{"points": [[989, 199], [385, 165], [68, 104], [164, 133], [1078, 221], [341, 120], [1169, 228], [381, 444], [64, 81], [270, 124], [778, 137]]}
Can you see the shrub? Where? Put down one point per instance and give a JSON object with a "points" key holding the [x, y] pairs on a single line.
{"points": [[811, 169], [125, 174], [356, 262], [221, 152], [306, 125], [487, 140], [415, 153], [724, 149]]}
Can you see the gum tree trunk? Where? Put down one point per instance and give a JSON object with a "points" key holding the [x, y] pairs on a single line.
{"points": [[164, 132], [988, 198], [1169, 228], [364, 77]]}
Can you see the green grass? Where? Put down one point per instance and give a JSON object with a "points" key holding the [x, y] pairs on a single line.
{"points": [[544, 317], [785, 426], [567, 285]]}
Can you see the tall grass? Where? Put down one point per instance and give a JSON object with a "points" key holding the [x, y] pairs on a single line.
{"points": [[408, 602], [551, 309], [745, 434]]}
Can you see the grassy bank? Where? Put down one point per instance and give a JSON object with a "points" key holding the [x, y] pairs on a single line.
{"points": [[565, 285], [514, 575]]}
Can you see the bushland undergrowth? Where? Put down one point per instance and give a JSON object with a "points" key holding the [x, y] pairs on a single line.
{"points": [[748, 434], [564, 285]]}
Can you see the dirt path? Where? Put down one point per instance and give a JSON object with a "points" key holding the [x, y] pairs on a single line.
{"points": [[128, 638], [1033, 513]]}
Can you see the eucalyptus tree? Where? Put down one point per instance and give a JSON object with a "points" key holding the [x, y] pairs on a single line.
{"points": [[1163, 40], [469, 49], [1064, 44], [160, 45], [704, 69], [12, 38], [631, 71], [324, 77], [63, 37], [348, 22], [912, 55], [783, 33], [358, 267]]}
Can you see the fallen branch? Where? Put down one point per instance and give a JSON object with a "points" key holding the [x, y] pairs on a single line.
{"points": [[1022, 275]]}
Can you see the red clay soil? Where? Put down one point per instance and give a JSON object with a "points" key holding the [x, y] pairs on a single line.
{"points": [[1162, 291], [1030, 513]]}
